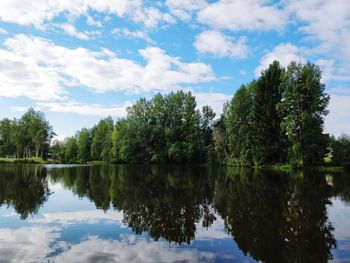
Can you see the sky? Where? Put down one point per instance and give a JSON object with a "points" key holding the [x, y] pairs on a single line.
{"points": [[81, 60]]}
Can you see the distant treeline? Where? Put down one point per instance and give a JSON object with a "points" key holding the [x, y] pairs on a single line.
{"points": [[276, 119]]}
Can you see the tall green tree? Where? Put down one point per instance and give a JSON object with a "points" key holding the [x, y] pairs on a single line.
{"points": [[84, 145], [101, 145], [207, 132], [119, 143], [240, 126], [71, 150], [7, 143], [304, 108], [268, 137]]}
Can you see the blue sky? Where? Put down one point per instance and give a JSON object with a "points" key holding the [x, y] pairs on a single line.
{"points": [[81, 60]]}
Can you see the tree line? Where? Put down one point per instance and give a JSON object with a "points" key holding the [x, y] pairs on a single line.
{"points": [[276, 119], [164, 129]]}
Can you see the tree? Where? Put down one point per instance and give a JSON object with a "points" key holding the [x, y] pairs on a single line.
{"points": [[119, 141], [340, 150], [268, 137], [102, 140], [7, 144], [71, 150], [84, 145], [27, 137], [303, 110], [240, 127], [162, 129], [207, 132]]}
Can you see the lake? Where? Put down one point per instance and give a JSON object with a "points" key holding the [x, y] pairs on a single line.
{"points": [[121, 213]]}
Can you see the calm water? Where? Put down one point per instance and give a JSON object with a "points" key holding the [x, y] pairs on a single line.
{"points": [[171, 214]]}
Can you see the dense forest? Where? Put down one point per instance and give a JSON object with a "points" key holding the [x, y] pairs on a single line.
{"points": [[275, 119]]}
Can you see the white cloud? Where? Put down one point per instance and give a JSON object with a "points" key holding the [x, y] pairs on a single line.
{"points": [[239, 15], [39, 69], [3, 31], [215, 100], [183, 9], [151, 17], [38, 12], [72, 31], [337, 121], [28, 243], [325, 21], [97, 250], [220, 45], [143, 35], [92, 22], [91, 109], [22, 76], [87, 217], [19, 109], [284, 53]]}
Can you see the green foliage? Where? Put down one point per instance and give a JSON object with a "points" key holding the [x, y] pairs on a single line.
{"points": [[207, 133], [303, 110], [268, 140], [29, 136], [71, 150], [276, 119], [340, 150], [240, 127], [84, 145], [101, 144], [163, 129]]}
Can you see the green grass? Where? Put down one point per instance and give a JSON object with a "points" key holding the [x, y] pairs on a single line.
{"points": [[37, 160]]}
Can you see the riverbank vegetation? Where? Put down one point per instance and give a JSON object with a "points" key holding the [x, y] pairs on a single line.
{"points": [[275, 120]]}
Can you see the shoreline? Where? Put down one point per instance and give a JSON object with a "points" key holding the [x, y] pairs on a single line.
{"points": [[278, 167]]}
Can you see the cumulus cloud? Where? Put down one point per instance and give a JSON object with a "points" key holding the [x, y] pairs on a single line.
{"points": [[183, 9], [72, 31], [242, 15], [39, 69], [284, 53], [325, 21], [151, 17], [220, 45], [143, 35], [38, 12]]}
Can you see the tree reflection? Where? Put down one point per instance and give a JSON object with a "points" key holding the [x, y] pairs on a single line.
{"points": [[165, 201], [273, 217], [24, 187]]}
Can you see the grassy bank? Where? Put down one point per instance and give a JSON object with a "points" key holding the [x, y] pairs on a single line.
{"points": [[36, 160]]}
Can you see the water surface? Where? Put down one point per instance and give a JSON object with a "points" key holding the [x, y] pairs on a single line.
{"points": [[171, 214]]}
